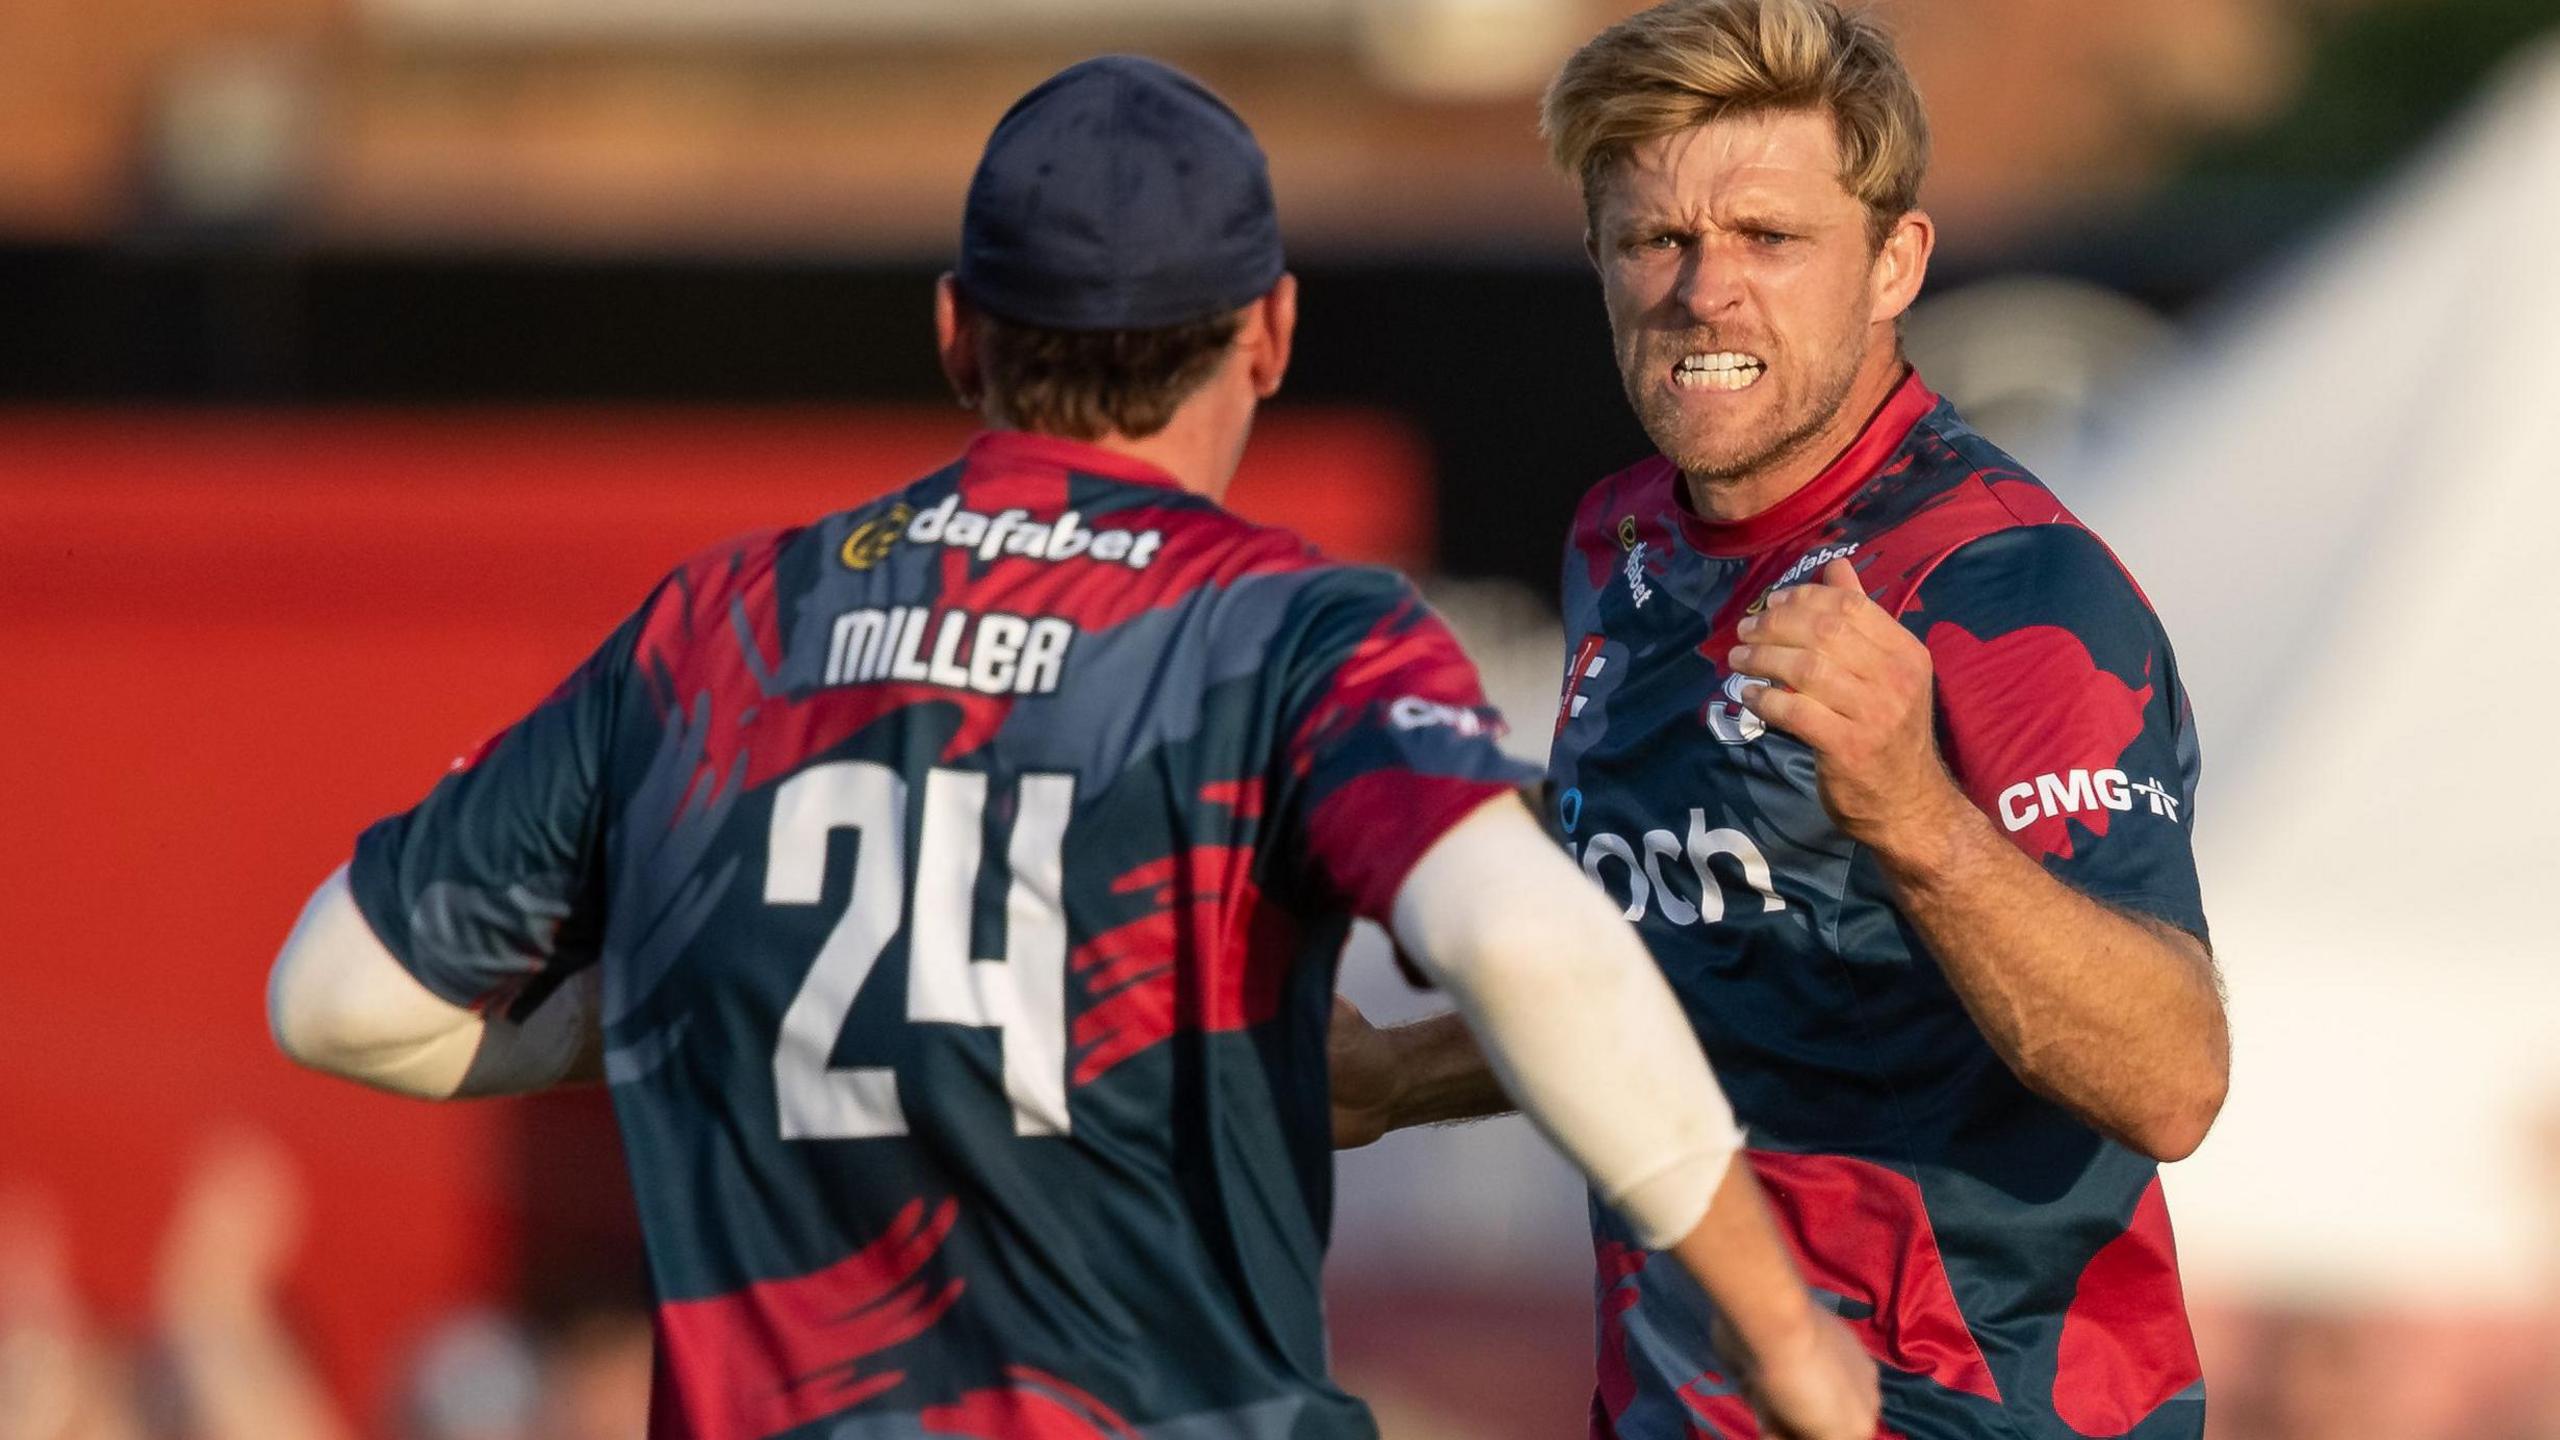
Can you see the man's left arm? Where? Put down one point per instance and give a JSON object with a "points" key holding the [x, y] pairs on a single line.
{"points": [[2041, 850], [340, 1002], [455, 954]]}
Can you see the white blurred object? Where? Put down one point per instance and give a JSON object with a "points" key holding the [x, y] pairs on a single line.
{"points": [[2029, 359], [232, 132], [979, 21], [2342, 503], [1467, 49], [474, 1377], [1435, 49]]}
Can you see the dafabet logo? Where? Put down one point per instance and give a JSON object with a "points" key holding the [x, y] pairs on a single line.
{"points": [[873, 539]]}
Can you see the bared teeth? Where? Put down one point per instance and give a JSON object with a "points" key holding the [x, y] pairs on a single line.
{"points": [[1722, 370]]}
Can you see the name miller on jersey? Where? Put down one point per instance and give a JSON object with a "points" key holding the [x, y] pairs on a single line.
{"points": [[992, 654]]}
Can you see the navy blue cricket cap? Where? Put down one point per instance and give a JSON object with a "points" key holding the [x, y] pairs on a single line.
{"points": [[1118, 195]]}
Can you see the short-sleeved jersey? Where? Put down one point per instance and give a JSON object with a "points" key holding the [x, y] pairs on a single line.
{"points": [[968, 871], [2010, 1268]]}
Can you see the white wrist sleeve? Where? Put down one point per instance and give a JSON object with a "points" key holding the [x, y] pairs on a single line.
{"points": [[337, 1001], [1575, 1018]]}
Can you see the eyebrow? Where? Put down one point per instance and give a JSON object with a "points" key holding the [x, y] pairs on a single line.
{"points": [[1771, 217], [1659, 223], [1654, 222]]}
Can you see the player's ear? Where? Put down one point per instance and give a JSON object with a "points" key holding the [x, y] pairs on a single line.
{"points": [[1901, 263], [1270, 331], [955, 338]]}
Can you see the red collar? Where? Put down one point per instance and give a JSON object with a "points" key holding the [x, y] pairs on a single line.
{"points": [[1820, 496], [1015, 449]]}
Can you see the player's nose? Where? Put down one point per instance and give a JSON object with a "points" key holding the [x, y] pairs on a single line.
{"points": [[1709, 283]]}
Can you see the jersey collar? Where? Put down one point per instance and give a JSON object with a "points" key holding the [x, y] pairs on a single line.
{"points": [[1007, 450], [1818, 497]]}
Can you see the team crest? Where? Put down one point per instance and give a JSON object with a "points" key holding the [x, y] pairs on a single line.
{"points": [[1727, 720]]}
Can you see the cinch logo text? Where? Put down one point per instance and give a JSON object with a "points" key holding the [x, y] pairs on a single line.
{"points": [[1675, 874]]}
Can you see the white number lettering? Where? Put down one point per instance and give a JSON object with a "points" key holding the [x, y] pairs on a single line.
{"points": [[818, 1102], [1022, 995]]}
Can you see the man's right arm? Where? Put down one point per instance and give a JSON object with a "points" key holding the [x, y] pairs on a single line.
{"points": [[1578, 1025], [1430, 1072]]}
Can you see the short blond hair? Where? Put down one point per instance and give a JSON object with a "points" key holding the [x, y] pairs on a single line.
{"points": [[1683, 63]]}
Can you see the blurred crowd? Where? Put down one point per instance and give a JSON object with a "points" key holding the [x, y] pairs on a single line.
{"points": [[220, 1358]]}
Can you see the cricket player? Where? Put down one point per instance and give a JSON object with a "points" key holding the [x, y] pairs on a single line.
{"points": [[1885, 756], [952, 886]]}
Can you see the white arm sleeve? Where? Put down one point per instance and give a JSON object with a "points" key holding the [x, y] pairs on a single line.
{"points": [[338, 1002], [1575, 1018]]}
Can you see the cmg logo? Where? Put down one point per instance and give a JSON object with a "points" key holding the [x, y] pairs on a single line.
{"points": [[2080, 792]]}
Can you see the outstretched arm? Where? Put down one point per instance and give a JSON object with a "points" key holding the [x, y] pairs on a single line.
{"points": [[1580, 1027], [1429, 1072]]}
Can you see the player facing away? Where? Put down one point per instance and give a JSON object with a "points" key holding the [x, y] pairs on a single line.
{"points": [[952, 886], [1887, 759]]}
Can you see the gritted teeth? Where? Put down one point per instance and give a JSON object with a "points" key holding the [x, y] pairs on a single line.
{"points": [[1720, 370]]}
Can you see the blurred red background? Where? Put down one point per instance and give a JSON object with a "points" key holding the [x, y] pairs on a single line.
{"points": [[232, 642]]}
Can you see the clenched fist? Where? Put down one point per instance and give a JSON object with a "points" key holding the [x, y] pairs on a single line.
{"points": [[1844, 677]]}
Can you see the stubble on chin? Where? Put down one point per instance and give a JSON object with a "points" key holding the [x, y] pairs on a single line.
{"points": [[1739, 456], [1726, 456]]}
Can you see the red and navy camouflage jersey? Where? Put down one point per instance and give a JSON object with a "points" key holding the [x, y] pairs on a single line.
{"points": [[968, 872], [2010, 1268]]}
